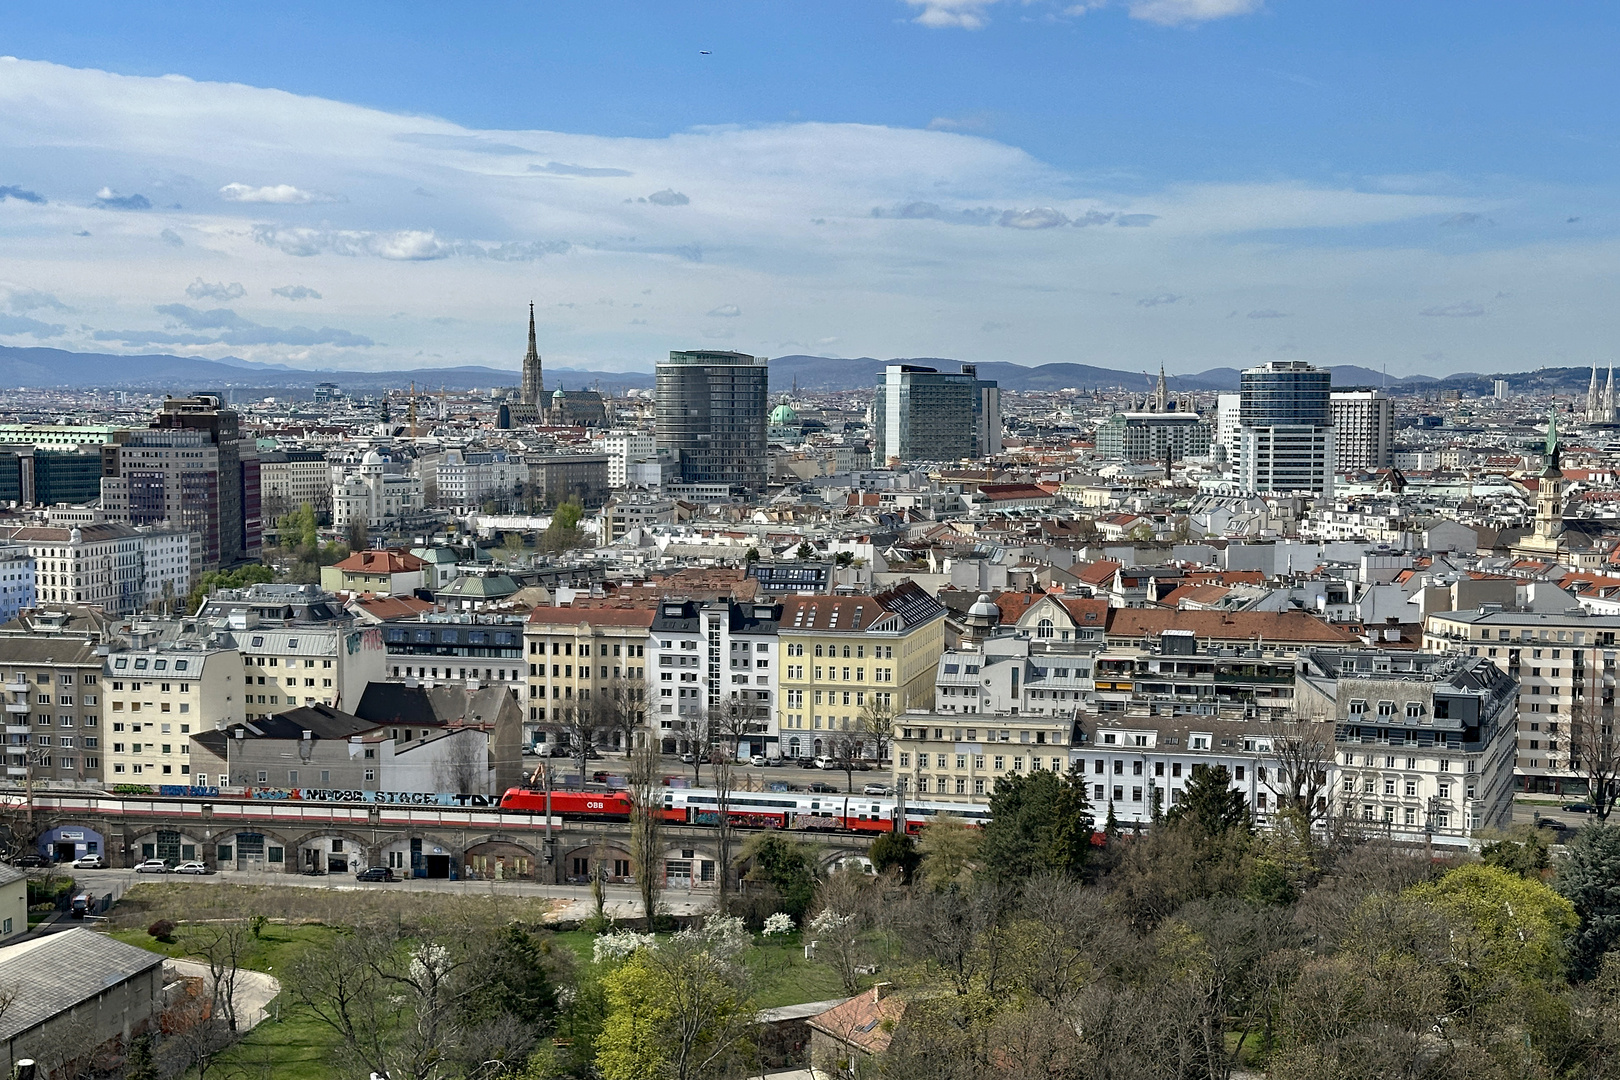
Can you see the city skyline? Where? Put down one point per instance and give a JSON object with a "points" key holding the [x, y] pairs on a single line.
{"points": [[1197, 184]]}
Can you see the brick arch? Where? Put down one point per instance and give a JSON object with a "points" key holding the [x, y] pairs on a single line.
{"points": [[363, 842]]}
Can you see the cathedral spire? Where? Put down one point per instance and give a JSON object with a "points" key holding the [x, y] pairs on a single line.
{"points": [[534, 382]]}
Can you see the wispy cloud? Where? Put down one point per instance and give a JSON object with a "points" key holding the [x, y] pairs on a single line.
{"points": [[21, 298], [215, 290], [172, 238], [1044, 217], [222, 326], [296, 292], [1268, 313], [963, 14], [20, 194], [557, 168], [23, 326], [1465, 310], [1159, 299], [668, 197], [1182, 12], [726, 311]]}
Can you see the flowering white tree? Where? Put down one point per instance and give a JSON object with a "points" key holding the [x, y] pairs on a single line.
{"points": [[779, 923], [620, 945], [837, 937]]}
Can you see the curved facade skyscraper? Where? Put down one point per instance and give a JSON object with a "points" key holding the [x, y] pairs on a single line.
{"points": [[712, 415]]}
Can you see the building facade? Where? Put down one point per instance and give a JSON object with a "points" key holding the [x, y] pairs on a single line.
{"points": [[1564, 663], [1423, 741], [626, 448], [51, 675], [193, 471], [1363, 429], [119, 567], [922, 414], [155, 696], [377, 494], [329, 665], [953, 758], [556, 478], [843, 656], [1286, 429], [1153, 438], [587, 672], [715, 666], [711, 417], [289, 479]]}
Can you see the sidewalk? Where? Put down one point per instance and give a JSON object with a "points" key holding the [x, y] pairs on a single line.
{"points": [[254, 990]]}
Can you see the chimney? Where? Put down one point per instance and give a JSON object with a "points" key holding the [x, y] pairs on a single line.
{"points": [[881, 990]]}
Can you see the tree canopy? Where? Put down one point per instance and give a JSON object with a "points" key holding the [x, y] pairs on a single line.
{"points": [[1040, 822]]}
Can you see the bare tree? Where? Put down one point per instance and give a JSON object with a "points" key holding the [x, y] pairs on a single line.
{"points": [[1594, 752], [727, 723], [646, 827], [877, 725], [464, 767], [1303, 752], [340, 987], [220, 946], [574, 722], [846, 750], [620, 707]]}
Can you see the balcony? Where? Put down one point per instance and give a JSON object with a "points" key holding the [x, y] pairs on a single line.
{"points": [[19, 729], [16, 770], [18, 687], [17, 707]]}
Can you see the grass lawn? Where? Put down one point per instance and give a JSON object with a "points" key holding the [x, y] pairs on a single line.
{"points": [[288, 1045], [783, 975]]}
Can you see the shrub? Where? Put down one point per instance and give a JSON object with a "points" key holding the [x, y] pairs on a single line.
{"points": [[163, 930]]}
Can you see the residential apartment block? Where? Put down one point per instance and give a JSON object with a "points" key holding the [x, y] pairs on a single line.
{"points": [[715, 663], [960, 758], [1564, 663], [50, 672], [285, 667], [587, 666], [843, 654], [155, 696], [120, 568]]}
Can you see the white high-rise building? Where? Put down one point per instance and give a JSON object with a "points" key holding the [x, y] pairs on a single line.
{"points": [[626, 448], [1228, 437], [1286, 429], [1363, 429]]}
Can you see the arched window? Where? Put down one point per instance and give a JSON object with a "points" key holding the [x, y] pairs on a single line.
{"points": [[846, 652], [818, 650], [1043, 628]]}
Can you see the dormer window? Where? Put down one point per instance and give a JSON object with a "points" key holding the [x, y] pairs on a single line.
{"points": [[1358, 707]]}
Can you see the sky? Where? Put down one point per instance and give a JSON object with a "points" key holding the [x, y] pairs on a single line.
{"points": [[1418, 186]]}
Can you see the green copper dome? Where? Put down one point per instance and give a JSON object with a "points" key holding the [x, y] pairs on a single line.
{"points": [[783, 416]]}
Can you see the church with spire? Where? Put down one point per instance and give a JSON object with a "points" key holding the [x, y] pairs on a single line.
{"points": [[534, 377], [1600, 405], [1553, 538]]}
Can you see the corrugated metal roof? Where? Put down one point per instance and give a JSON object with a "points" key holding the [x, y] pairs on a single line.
{"points": [[54, 973]]}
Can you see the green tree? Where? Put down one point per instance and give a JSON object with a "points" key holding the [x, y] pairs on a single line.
{"points": [[949, 847], [138, 1064], [1588, 878], [1210, 804], [786, 867], [680, 1010], [251, 574], [1499, 923], [1522, 852], [804, 551], [564, 534], [357, 537], [511, 979], [1040, 822], [895, 851], [512, 547]]}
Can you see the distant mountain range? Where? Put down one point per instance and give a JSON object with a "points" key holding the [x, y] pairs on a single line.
{"points": [[34, 367]]}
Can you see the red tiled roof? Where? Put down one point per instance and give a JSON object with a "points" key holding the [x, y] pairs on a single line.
{"points": [[389, 608], [865, 1020], [1100, 572], [596, 616], [381, 562], [1084, 610], [1014, 604]]}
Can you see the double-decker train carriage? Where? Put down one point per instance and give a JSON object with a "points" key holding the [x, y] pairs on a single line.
{"points": [[751, 809]]}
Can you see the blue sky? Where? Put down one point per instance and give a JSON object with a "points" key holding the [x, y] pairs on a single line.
{"points": [[1201, 183]]}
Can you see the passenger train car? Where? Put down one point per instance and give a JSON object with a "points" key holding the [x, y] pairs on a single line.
{"points": [[750, 809]]}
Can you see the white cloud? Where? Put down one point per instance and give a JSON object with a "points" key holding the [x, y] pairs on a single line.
{"points": [[1181, 12], [284, 194], [726, 311], [780, 222], [962, 14]]}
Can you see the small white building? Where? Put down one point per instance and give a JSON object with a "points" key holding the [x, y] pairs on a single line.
{"points": [[377, 494]]}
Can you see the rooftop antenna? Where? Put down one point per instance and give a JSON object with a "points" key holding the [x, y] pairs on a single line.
{"points": [[412, 413]]}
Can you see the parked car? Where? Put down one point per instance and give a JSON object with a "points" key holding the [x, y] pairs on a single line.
{"points": [[30, 860], [776, 761], [808, 763], [826, 763], [90, 862], [601, 776], [152, 866], [1552, 823], [1577, 808], [376, 873], [193, 867], [877, 789], [757, 761], [687, 759], [821, 787], [82, 905], [529, 750]]}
